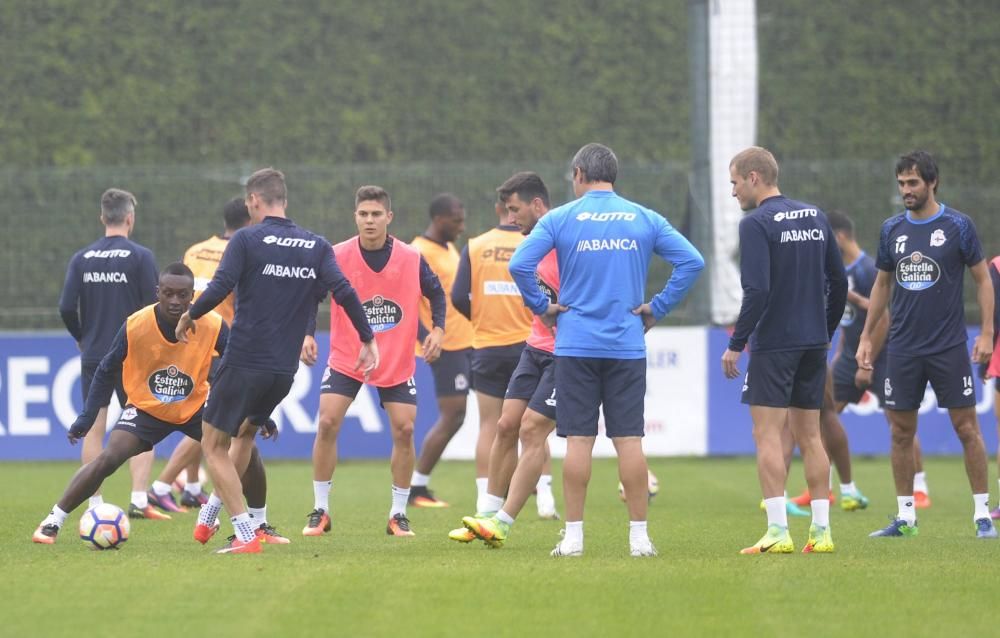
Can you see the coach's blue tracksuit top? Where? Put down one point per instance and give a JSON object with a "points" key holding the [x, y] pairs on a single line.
{"points": [[794, 284], [603, 243], [277, 270]]}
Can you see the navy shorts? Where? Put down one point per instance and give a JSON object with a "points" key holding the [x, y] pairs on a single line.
{"points": [[87, 371], [151, 430], [949, 373], [492, 368], [786, 378], [338, 383], [534, 381], [238, 393], [452, 373], [844, 389], [585, 383]]}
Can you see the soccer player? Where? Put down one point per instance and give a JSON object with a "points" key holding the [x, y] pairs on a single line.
{"points": [[603, 245], [485, 293], [105, 283], [276, 268], [529, 408], [992, 370], [203, 259], [453, 369], [794, 293], [390, 276], [166, 382], [922, 256]]}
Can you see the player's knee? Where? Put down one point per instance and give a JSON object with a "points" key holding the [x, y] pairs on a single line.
{"points": [[967, 431], [402, 431], [327, 426], [508, 428], [107, 462]]}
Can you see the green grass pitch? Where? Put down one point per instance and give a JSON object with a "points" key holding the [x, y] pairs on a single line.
{"points": [[356, 581]]}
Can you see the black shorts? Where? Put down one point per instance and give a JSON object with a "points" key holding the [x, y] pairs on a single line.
{"points": [[492, 368], [949, 373], [151, 430], [452, 372], [844, 389], [786, 378], [338, 383], [534, 381], [239, 393], [585, 383], [87, 371]]}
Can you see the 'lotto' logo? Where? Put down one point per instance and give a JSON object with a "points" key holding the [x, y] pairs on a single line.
{"points": [[605, 217], [290, 242]]}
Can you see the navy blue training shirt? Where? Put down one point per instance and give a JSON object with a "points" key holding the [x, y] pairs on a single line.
{"points": [[794, 284], [927, 260], [275, 267], [105, 283], [860, 278]]}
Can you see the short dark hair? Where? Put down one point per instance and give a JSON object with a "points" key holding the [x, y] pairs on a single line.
{"points": [[526, 185], [178, 268], [116, 204], [922, 162], [269, 185], [442, 204], [840, 222], [372, 194], [597, 163], [235, 213]]}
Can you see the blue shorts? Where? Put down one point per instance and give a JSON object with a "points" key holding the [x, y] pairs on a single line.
{"points": [[87, 371], [949, 373], [492, 368], [584, 384], [452, 373], [239, 393], [534, 381], [786, 378], [151, 430], [338, 383], [844, 389]]}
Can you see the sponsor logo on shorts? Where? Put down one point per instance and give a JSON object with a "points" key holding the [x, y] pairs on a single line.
{"points": [[917, 272], [170, 385], [505, 288], [412, 385], [746, 382], [106, 254], [595, 245], [128, 414], [887, 389], [967, 384], [289, 242], [788, 215], [383, 314], [551, 401], [605, 217], [289, 272], [104, 278], [937, 238], [461, 382], [806, 234]]}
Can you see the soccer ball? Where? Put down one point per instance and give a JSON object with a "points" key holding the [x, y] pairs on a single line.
{"points": [[652, 484], [104, 527]]}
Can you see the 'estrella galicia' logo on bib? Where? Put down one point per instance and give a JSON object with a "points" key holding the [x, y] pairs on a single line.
{"points": [[917, 272], [170, 385], [383, 314]]}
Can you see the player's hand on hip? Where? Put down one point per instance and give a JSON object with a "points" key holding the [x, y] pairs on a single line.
{"points": [[368, 358], [432, 345], [551, 315], [646, 312], [862, 379], [309, 350], [864, 354], [79, 429], [982, 349], [184, 324], [268, 429], [729, 360]]}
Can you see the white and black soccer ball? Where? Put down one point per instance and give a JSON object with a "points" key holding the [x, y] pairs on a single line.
{"points": [[104, 526]]}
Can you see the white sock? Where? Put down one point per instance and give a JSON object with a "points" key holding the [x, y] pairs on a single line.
{"points": [[95, 500], [982, 503], [321, 495], [920, 482], [140, 500], [194, 489], [56, 517], [243, 526], [574, 532], [848, 489], [504, 517], [776, 513], [488, 503], [420, 480], [637, 532], [481, 484], [907, 511], [821, 512], [210, 510], [399, 497], [544, 485], [259, 515], [160, 488]]}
